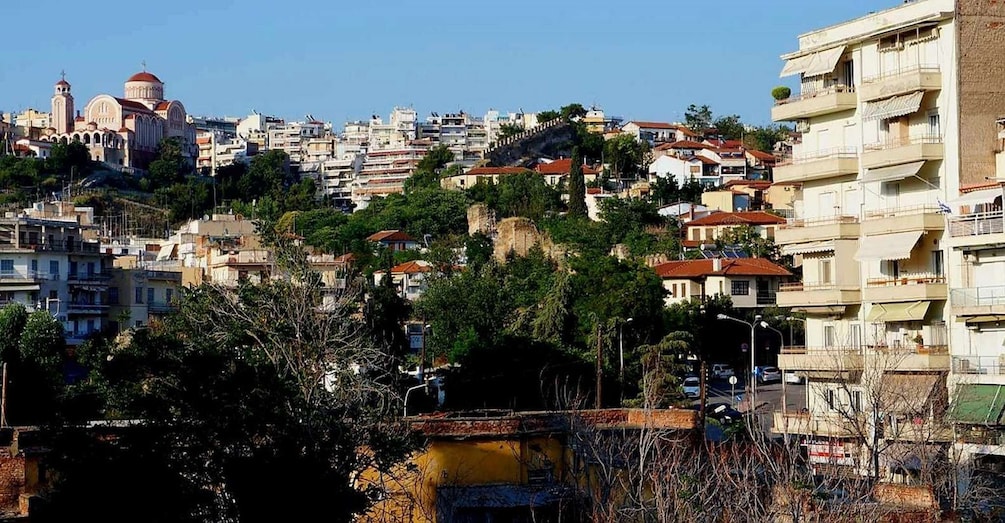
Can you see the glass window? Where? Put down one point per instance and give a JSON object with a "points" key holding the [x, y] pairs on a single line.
{"points": [[740, 287], [150, 294], [139, 295], [54, 269], [113, 295], [168, 294], [7, 267]]}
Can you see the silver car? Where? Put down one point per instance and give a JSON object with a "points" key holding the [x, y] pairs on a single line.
{"points": [[692, 387]]}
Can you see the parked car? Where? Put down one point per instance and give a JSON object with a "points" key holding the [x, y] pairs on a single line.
{"points": [[722, 412], [767, 374], [794, 377], [721, 370], [692, 387]]}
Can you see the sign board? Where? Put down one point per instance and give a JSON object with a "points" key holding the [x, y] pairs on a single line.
{"points": [[828, 453], [415, 341], [744, 347], [732, 380]]}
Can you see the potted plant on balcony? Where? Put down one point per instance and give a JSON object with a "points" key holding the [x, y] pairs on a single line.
{"points": [[919, 341], [781, 93]]}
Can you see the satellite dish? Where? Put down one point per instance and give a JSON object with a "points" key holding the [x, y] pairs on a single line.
{"points": [[701, 246]]}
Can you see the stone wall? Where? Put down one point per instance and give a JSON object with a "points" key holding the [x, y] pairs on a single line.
{"points": [[981, 85], [518, 235]]}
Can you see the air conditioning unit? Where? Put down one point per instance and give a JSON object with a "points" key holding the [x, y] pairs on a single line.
{"points": [[802, 126]]}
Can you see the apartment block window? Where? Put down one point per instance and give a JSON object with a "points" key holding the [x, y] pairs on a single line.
{"points": [[934, 128], [54, 269], [150, 294], [6, 267], [937, 263], [113, 295], [856, 400], [892, 268], [168, 295], [831, 404], [139, 295], [34, 267], [740, 288], [825, 272]]}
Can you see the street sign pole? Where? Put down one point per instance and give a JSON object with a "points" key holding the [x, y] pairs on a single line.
{"points": [[732, 391]]}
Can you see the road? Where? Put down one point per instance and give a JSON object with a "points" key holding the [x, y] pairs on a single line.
{"points": [[720, 391]]}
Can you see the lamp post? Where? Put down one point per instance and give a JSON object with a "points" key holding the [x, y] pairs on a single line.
{"points": [[753, 380], [621, 350], [422, 356]]}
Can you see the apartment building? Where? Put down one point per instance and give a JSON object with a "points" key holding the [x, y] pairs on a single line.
{"points": [[47, 262], [896, 110]]}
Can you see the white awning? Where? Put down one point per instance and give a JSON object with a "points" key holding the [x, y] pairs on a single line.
{"points": [[894, 173], [167, 251], [815, 64], [895, 246], [808, 247], [893, 107], [977, 197], [19, 288]]}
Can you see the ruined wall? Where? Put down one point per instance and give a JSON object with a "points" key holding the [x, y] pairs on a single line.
{"points": [[481, 220], [981, 85], [517, 235]]}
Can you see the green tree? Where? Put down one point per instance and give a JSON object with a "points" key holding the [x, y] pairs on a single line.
{"points": [[169, 167], [478, 250], [547, 116], [573, 110], [33, 350], [436, 159], [266, 176], [577, 186], [626, 156], [526, 194], [509, 129], [662, 364], [729, 127], [764, 138], [64, 158], [698, 118]]}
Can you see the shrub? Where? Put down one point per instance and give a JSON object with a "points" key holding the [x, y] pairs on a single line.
{"points": [[781, 92]]}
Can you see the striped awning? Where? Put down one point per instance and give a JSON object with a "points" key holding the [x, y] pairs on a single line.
{"points": [[893, 107], [885, 247], [894, 173], [808, 247], [815, 64], [892, 312]]}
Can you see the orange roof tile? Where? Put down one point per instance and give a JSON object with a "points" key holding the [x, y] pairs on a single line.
{"points": [[144, 76], [390, 236], [761, 155], [738, 218], [491, 171], [653, 125], [562, 166], [730, 266], [687, 144], [412, 267]]}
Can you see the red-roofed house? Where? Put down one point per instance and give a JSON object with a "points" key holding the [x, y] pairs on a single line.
{"points": [[686, 168], [654, 132], [556, 171], [472, 176], [707, 229], [750, 282], [409, 278], [394, 240]]}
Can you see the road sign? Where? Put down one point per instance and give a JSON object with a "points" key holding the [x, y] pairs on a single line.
{"points": [[732, 380], [415, 341]]}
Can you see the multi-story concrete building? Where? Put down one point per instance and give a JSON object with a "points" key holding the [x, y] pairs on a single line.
{"points": [[47, 262], [897, 111]]}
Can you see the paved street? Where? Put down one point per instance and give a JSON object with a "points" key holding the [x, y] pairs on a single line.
{"points": [[771, 393]]}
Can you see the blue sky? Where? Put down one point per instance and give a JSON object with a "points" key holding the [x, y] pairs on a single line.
{"points": [[345, 60]]}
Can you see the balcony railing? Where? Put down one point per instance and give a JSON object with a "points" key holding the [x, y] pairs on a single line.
{"points": [[800, 287], [983, 365], [902, 211], [977, 224], [989, 295], [88, 276], [800, 349], [905, 279], [822, 154], [28, 275], [905, 71], [766, 297], [806, 95], [793, 223], [894, 143]]}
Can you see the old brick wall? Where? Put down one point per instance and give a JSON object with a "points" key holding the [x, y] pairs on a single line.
{"points": [[12, 481], [981, 85]]}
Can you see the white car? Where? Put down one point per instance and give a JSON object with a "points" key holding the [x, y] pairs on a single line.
{"points": [[721, 370], [794, 378], [766, 374], [692, 387]]}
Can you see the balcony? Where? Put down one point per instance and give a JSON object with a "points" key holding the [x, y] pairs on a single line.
{"points": [[977, 228], [766, 297], [811, 424], [87, 278], [978, 301], [909, 80], [902, 150], [979, 365], [85, 307], [160, 307], [818, 229], [21, 277], [818, 165], [815, 103], [906, 287], [64, 246], [903, 219], [911, 357], [815, 294], [820, 358]]}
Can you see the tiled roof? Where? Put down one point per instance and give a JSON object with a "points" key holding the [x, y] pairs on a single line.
{"points": [[490, 171], [131, 105], [729, 266], [144, 76], [412, 267], [162, 106], [653, 125], [738, 218], [687, 144], [702, 159], [390, 236], [754, 184], [562, 166], [761, 155]]}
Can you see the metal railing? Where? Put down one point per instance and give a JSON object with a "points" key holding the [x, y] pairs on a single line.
{"points": [[910, 210], [800, 349], [984, 365], [894, 143], [799, 287], [822, 154], [806, 95], [977, 224], [904, 71], [88, 276], [65, 246], [906, 279], [766, 297], [24, 275], [978, 296], [793, 223]]}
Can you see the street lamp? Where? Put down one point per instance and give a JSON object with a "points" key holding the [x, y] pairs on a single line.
{"points": [[621, 350], [753, 326], [422, 356]]}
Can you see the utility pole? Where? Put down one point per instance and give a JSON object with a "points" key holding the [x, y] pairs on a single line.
{"points": [[600, 367], [701, 394]]}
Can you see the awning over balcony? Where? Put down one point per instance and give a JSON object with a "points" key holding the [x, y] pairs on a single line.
{"points": [[893, 107], [808, 247], [894, 173], [980, 319], [978, 404], [891, 312], [814, 64], [167, 251], [821, 310], [20, 288], [908, 393], [884, 247], [977, 197]]}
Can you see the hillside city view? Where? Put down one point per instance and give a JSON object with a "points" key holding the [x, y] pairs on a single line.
{"points": [[681, 306]]}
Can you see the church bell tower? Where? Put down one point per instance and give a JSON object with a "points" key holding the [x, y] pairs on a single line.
{"points": [[62, 106]]}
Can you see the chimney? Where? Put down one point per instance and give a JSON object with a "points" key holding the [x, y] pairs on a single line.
{"points": [[716, 264]]}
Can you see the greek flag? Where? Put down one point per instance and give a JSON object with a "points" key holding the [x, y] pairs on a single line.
{"points": [[943, 208]]}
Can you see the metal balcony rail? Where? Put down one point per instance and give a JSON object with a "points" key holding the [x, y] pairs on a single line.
{"points": [[978, 296], [822, 154], [893, 143], [984, 365], [820, 350], [794, 223], [905, 279], [977, 224], [799, 287], [904, 71], [806, 95], [910, 210]]}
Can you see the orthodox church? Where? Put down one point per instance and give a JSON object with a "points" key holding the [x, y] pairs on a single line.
{"points": [[122, 131]]}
